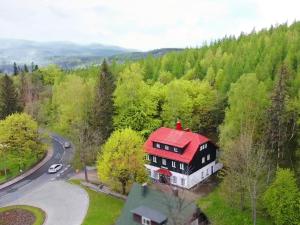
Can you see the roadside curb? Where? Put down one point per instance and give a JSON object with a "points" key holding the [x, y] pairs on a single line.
{"points": [[29, 172]]}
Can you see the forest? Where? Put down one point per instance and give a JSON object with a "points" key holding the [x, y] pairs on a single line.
{"points": [[242, 92]]}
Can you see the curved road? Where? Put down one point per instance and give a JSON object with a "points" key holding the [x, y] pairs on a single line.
{"points": [[40, 177]]}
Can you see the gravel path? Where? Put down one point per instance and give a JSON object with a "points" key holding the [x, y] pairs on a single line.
{"points": [[64, 203]]}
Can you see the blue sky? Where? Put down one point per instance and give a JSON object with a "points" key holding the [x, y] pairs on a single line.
{"points": [[140, 24]]}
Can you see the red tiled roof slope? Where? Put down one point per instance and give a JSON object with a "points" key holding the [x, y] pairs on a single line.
{"points": [[177, 138]]}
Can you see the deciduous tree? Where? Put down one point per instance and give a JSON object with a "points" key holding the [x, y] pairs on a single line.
{"points": [[121, 161]]}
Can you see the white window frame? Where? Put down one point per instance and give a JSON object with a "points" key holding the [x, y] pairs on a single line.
{"points": [[203, 159], [148, 157], [164, 161], [208, 157], [167, 147], [175, 149], [173, 164], [181, 166], [146, 221], [157, 145], [154, 159]]}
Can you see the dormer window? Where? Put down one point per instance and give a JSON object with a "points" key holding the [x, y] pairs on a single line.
{"points": [[146, 221], [166, 147], [203, 147], [157, 145], [175, 149]]}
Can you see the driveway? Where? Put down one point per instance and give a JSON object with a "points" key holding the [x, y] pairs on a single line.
{"points": [[64, 203]]}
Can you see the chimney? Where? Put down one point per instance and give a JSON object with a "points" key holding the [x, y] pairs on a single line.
{"points": [[144, 189], [178, 125]]}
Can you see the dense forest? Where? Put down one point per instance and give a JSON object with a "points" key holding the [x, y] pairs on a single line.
{"points": [[242, 92]]}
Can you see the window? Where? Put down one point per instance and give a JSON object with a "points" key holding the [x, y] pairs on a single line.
{"points": [[157, 145], [146, 221], [182, 182], [147, 157], [166, 147], [149, 172], [164, 162], [208, 157], [154, 159], [155, 175], [174, 179], [173, 164], [203, 159], [207, 172], [181, 166], [202, 174], [203, 146], [175, 149]]}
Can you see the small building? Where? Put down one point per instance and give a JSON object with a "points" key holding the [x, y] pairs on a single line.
{"points": [[147, 206], [180, 157]]}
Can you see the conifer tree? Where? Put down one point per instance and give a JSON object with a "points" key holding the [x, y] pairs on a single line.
{"points": [[8, 97], [26, 68], [103, 107], [16, 70]]}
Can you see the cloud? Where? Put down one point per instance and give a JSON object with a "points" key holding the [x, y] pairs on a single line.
{"points": [[139, 24]]}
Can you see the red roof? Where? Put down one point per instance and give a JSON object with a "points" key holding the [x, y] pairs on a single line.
{"points": [[164, 172], [178, 138]]}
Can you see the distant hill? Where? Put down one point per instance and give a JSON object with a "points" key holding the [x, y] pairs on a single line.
{"points": [[65, 54], [140, 55]]}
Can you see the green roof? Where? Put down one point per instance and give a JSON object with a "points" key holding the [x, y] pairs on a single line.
{"points": [[167, 204]]}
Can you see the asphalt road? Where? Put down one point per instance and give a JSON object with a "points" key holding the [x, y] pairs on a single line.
{"points": [[41, 176]]}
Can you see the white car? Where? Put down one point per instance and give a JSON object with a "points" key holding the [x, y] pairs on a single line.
{"points": [[54, 168], [67, 144]]}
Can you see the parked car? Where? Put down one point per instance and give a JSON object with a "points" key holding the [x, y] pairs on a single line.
{"points": [[67, 144], [55, 168]]}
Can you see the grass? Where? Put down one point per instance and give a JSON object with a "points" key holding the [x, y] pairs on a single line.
{"points": [[39, 214], [220, 213], [103, 209], [14, 168]]}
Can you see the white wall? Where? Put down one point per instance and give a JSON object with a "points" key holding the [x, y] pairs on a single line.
{"points": [[190, 180]]}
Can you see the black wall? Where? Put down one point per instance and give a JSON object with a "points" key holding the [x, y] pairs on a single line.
{"points": [[169, 164], [195, 165]]}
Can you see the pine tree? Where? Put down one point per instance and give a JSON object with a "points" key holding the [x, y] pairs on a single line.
{"points": [[26, 68], [277, 124], [103, 108], [8, 97], [16, 70]]}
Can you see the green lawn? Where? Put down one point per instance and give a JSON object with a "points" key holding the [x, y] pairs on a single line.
{"points": [[38, 213], [103, 209], [219, 213], [13, 168]]}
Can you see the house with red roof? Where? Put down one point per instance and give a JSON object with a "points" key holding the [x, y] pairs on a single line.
{"points": [[180, 157]]}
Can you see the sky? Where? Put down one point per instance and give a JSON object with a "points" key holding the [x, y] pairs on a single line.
{"points": [[140, 24]]}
